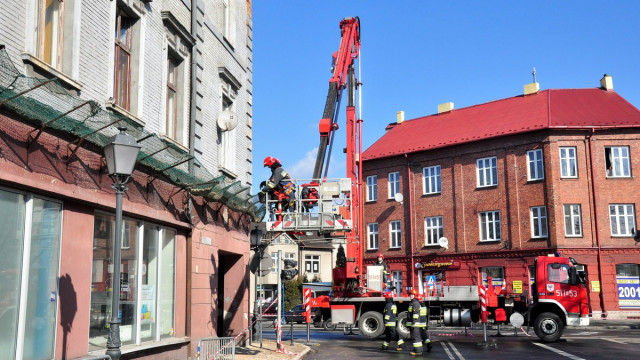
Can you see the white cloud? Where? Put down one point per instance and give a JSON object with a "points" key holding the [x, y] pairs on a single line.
{"points": [[303, 169]]}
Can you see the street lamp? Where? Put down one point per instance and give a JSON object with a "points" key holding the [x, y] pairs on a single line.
{"points": [[121, 155]]}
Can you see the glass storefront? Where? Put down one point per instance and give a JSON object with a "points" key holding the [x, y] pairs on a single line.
{"points": [[147, 275]]}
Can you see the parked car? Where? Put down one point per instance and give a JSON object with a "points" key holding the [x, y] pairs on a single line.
{"points": [[296, 314]]}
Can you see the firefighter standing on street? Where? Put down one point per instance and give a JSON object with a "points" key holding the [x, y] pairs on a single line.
{"points": [[279, 182], [418, 322], [390, 322], [424, 322]]}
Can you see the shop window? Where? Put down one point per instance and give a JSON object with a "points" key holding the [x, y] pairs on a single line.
{"points": [[496, 273], [30, 263], [628, 281], [147, 282]]}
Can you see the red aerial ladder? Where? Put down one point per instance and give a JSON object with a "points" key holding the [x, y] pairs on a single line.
{"points": [[349, 278]]}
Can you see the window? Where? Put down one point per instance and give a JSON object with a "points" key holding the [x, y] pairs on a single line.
{"points": [[123, 54], [489, 225], [394, 184], [431, 180], [395, 234], [30, 242], [312, 264], [617, 161], [174, 126], [433, 230], [396, 278], [50, 27], [622, 219], [568, 162], [487, 172], [227, 141], [274, 262], [558, 273], [372, 188], [289, 256], [373, 235], [628, 280], [572, 220], [495, 272], [536, 164], [147, 288], [539, 222]]}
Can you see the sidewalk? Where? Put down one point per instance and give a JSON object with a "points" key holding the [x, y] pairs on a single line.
{"points": [[268, 350]]}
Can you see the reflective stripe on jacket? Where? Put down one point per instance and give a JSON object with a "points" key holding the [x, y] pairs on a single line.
{"points": [[390, 311], [422, 317]]}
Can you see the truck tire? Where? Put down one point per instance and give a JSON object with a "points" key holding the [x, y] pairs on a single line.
{"points": [[328, 325], [401, 328], [548, 327], [371, 324]]}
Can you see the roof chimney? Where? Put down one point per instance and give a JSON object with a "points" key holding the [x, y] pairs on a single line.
{"points": [[606, 82], [445, 107], [531, 88], [399, 117]]}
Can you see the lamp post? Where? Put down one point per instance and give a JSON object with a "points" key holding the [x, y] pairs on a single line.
{"points": [[121, 155]]}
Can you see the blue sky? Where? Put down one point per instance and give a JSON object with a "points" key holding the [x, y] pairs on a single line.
{"points": [[418, 54]]}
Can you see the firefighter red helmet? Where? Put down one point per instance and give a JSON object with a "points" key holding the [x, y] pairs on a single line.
{"points": [[413, 292], [381, 255], [388, 294], [269, 161]]}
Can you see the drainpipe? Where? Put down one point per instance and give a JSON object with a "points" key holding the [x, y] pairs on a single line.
{"points": [[595, 216], [410, 201]]}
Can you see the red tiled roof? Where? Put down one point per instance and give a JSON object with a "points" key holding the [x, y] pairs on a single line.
{"points": [[556, 109]]}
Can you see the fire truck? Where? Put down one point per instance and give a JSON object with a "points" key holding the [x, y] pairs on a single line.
{"points": [[331, 210]]}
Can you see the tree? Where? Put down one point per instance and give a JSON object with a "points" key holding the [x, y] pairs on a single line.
{"points": [[341, 257], [292, 292]]}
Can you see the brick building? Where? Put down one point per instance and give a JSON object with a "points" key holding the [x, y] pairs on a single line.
{"points": [[177, 74], [546, 172]]}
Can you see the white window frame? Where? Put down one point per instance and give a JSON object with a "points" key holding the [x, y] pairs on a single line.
{"points": [[431, 180], [395, 234], [394, 184], [535, 162], [622, 215], [373, 236], [433, 230], [312, 264], [227, 140], [619, 160], [274, 262], [489, 221], [568, 162], [570, 219], [539, 222], [487, 172], [372, 188]]}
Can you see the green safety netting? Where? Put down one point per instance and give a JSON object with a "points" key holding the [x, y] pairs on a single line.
{"points": [[46, 104]]}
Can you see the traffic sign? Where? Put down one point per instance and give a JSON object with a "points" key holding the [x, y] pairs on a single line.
{"points": [[431, 280]]}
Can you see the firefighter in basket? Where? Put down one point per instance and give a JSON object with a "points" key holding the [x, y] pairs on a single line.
{"points": [[385, 271], [390, 323], [278, 186]]}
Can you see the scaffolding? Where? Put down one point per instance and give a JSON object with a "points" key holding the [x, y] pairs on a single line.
{"points": [[45, 104]]}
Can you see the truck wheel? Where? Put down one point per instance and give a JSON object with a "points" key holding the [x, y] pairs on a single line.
{"points": [[548, 327], [401, 328], [328, 325], [371, 324]]}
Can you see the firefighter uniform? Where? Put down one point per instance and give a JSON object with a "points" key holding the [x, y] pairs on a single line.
{"points": [[424, 325], [390, 322], [279, 181], [416, 326]]}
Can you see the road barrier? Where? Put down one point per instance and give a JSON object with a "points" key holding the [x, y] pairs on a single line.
{"points": [[217, 348]]}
